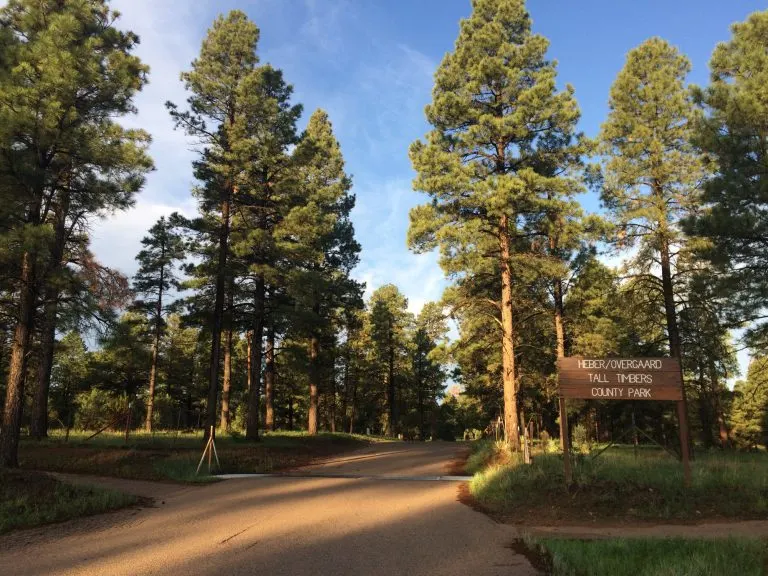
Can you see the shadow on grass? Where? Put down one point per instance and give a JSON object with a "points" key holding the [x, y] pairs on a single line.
{"points": [[29, 499], [624, 485]]}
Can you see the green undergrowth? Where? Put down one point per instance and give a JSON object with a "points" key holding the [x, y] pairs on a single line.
{"points": [[651, 557], [175, 456], [29, 499], [620, 484]]}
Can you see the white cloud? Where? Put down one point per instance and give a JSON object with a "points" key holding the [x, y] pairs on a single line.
{"points": [[170, 37], [117, 239]]}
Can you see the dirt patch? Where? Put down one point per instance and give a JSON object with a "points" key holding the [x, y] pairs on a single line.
{"points": [[457, 466], [464, 495]]}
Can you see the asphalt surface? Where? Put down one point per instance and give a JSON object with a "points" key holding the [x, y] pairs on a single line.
{"points": [[373, 522]]}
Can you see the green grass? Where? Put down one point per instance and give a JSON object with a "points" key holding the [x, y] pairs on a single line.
{"points": [[620, 484], [29, 499], [653, 557], [175, 456]]}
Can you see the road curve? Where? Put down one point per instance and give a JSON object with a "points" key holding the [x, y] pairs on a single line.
{"points": [[287, 526]]}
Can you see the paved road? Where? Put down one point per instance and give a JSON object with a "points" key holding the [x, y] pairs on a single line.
{"points": [[287, 526]]}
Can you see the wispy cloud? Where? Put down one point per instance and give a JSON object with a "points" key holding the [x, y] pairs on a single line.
{"points": [[170, 34]]}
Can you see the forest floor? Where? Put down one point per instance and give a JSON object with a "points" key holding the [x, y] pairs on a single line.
{"points": [[623, 485], [175, 456]]}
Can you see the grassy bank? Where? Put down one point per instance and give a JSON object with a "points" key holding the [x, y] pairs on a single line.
{"points": [[620, 484], [651, 557], [169, 456], [29, 499]]}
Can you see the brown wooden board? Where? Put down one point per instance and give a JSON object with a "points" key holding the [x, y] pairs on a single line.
{"points": [[620, 378]]}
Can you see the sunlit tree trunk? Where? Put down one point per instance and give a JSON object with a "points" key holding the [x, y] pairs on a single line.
{"points": [[254, 397], [226, 385], [269, 380], [508, 339]]}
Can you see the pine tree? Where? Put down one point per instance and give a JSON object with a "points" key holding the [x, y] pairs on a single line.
{"points": [[749, 414], [390, 322], [318, 238], [156, 276], [428, 352], [70, 374], [67, 73], [653, 173], [734, 133], [265, 131], [220, 95], [500, 155]]}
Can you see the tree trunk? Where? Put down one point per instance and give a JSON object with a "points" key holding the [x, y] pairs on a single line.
{"points": [[560, 350], [673, 332], [269, 380], [14, 395], [345, 395], [420, 395], [254, 397], [717, 410], [391, 387], [332, 399], [290, 413], [248, 343], [155, 345], [352, 409], [508, 339], [226, 384], [314, 375], [39, 421], [218, 313]]}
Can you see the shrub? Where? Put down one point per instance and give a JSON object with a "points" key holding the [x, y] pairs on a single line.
{"points": [[97, 408], [581, 439]]}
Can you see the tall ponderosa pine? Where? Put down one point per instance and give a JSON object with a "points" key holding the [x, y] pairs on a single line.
{"points": [[652, 173], [218, 101], [499, 155], [734, 133], [163, 249], [265, 131], [428, 344], [67, 72], [318, 237], [390, 325]]}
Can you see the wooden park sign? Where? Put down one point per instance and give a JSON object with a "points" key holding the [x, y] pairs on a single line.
{"points": [[620, 378], [659, 379]]}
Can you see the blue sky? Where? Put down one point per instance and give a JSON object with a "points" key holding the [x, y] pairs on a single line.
{"points": [[370, 63]]}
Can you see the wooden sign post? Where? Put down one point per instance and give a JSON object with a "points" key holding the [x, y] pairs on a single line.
{"points": [[659, 379]]}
